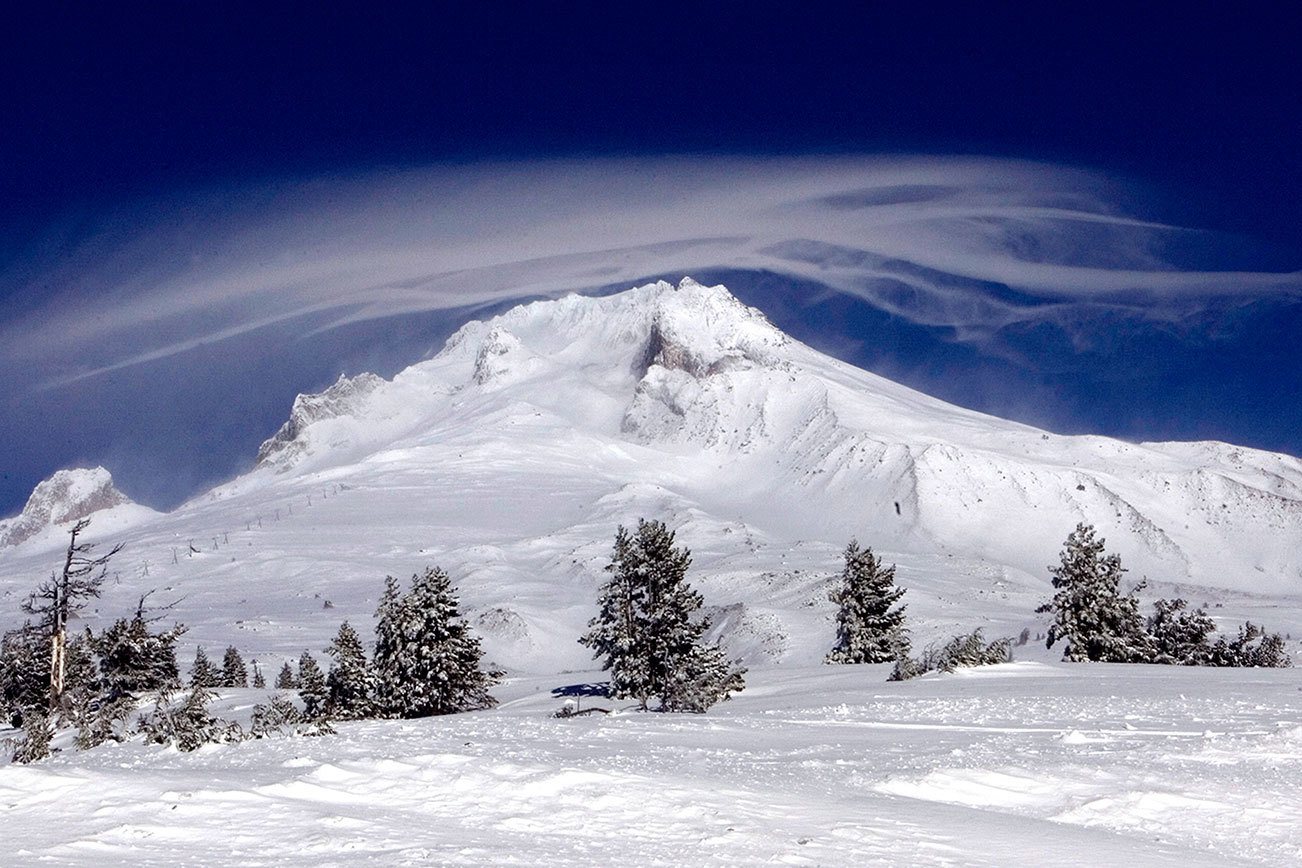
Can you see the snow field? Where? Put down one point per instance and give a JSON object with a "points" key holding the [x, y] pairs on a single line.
{"points": [[1022, 764]]}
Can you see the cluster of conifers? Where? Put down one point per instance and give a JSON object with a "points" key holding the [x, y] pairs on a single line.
{"points": [[649, 634]]}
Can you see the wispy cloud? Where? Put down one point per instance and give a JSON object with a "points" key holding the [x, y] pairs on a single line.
{"points": [[970, 244]]}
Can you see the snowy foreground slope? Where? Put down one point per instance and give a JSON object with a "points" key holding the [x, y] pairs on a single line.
{"points": [[511, 457], [1027, 764]]}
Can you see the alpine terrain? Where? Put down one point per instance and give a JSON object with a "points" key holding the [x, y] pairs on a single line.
{"points": [[510, 458]]}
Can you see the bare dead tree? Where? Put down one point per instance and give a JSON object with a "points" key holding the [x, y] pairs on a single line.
{"points": [[63, 596]]}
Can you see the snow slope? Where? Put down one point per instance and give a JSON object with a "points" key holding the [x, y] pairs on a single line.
{"points": [[511, 457], [1025, 764]]}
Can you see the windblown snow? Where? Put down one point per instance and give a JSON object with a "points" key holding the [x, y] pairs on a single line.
{"points": [[64, 498], [511, 457]]}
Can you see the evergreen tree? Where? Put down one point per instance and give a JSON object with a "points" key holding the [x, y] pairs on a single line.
{"points": [[24, 673], [285, 680], [426, 659], [1093, 617], [1268, 652], [868, 629], [281, 717], [202, 673], [259, 682], [106, 721], [188, 726], [1178, 636], [234, 673], [81, 683], [968, 649], [390, 641], [134, 659], [351, 681], [617, 634], [35, 744], [58, 600], [311, 686], [648, 629], [703, 676]]}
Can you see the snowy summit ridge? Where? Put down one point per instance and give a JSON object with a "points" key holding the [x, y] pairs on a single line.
{"points": [[690, 367]]}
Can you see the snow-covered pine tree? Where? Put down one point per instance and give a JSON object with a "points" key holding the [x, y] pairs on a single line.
{"points": [[1178, 636], [389, 644], [311, 686], [868, 628], [648, 630], [187, 726], [234, 673], [82, 686], [285, 679], [351, 682], [278, 716], [617, 634], [259, 681], [703, 676], [107, 720], [58, 600], [24, 673], [35, 744], [1090, 613], [432, 663], [970, 649], [688, 673], [134, 659], [202, 673], [1269, 652]]}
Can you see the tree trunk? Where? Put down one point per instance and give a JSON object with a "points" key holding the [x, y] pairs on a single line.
{"points": [[58, 657]]}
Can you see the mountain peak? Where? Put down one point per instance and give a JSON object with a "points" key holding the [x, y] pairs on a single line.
{"points": [[66, 496], [687, 326], [612, 342]]}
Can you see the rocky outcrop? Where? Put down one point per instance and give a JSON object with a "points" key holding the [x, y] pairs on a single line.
{"points": [[66, 496], [344, 398]]}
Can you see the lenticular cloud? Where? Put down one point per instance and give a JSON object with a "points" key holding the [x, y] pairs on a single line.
{"points": [[972, 245]]}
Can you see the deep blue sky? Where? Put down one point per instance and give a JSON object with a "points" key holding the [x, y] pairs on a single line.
{"points": [[107, 111]]}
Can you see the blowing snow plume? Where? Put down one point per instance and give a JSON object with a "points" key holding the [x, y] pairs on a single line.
{"points": [[974, 245], [232, 301]]}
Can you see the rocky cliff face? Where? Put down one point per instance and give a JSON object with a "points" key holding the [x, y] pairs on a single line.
{"points": [[346, 397], [66, 496]]}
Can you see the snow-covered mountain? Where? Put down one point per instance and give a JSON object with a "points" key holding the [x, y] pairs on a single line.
{"points": [[64, 498], [512, 455]]}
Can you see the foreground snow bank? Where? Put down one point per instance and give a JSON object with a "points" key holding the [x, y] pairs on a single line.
{"points": [[1025, 764]]}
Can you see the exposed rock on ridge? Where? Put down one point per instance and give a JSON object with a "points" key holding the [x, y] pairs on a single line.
{"points": [[66, 496], [345, 397]]}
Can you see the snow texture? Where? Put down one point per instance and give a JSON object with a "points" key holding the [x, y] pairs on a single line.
{"points": [[509, 459], [1019, 764]]}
